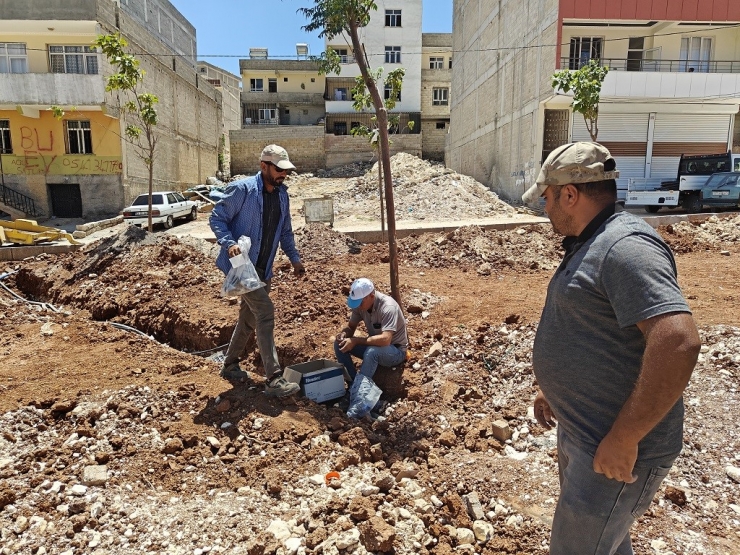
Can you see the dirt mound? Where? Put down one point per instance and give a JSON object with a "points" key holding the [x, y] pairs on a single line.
{"points": [[422, 191], [714, 233], [316, 242], [531, 248]]}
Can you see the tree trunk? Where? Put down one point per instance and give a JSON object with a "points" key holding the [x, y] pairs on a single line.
{"points": [[385, 156], [380, 193], [150, 167]]}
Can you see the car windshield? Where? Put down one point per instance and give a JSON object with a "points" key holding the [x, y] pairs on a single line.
{"points": [[143, 200]]}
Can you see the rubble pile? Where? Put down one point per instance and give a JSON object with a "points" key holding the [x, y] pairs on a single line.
{"points": [[714, 233], [316, 242], [422, 190], [531, 248]]}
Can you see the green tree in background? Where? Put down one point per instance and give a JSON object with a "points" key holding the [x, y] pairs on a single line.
{"points": [[586, 86], [138, 108]]}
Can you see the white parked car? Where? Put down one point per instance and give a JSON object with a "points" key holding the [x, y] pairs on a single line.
{"points": [[166, 206]]}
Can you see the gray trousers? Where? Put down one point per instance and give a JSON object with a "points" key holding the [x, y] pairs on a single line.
{"points": [[256, 313]]}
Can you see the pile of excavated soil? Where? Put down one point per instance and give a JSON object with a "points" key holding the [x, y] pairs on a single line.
{"points": [[112, 442], [530, 248], [714, 233], [422, 191]]}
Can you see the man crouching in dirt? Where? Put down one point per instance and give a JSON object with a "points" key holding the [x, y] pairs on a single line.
{"points": [[385, 344], [257, 207], [614, 350]]}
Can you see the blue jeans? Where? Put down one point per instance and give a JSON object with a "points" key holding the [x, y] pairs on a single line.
{"points": [[371, 358], [256, 314], [594, 514]]}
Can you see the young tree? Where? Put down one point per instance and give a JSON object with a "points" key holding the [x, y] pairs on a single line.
{"points": [[586, 86], [137, 107], [362, 100], [333, 18]]}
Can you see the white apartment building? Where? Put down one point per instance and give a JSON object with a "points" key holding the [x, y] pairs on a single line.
{"points": [[392, 39]]}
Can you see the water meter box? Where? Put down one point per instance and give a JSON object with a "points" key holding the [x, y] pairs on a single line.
{"points": [[320, 380]]}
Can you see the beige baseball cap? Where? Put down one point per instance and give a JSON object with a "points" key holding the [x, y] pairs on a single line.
{"points": [[277, 155], [580, 162]]}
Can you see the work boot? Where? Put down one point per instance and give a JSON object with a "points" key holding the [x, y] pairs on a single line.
{"points": [[233, 372], [278, 386]]}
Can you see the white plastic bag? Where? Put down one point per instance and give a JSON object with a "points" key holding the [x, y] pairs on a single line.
{"points": [[363, 396], [242, 277]]}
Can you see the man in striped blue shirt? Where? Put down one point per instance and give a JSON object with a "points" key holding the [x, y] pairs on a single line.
{"points": [[257, 207]]}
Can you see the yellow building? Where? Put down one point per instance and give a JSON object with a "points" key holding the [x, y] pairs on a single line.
{"points": [[81, 165]]}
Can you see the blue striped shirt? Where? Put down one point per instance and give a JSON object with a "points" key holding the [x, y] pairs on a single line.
{"points": [[239, 212]]}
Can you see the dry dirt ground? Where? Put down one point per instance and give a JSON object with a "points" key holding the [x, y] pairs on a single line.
{"points": [[115, 442]]}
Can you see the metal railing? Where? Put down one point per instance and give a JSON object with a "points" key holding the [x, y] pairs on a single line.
{"points": [[674, 66], [19, 201]]}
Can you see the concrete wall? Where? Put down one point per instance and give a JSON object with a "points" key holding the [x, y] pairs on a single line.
{"points": [[501, 75], [161, 19], [308, 147], [190, 117], [47, 9], [305, 146], [433, 139], [346, 149]]}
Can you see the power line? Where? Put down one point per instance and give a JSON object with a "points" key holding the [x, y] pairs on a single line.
{"points": [[382, 54]]}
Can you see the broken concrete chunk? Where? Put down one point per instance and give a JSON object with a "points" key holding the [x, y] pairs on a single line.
{"points": [[500, 430]]}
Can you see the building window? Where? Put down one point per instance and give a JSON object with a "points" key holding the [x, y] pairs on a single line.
{"points": [[392, 18], [13, 57], [387, 93], [440, 96], [440, 125], [73, 59], [313, 79], [268, 115], [392, 54], [272, 85], [436, 62], [340, 93], [256, 85], [340, 127], [450, 63], [695, 54], [5, 146], [79, 137], [583, 50], [285, 79], [214, 82]]}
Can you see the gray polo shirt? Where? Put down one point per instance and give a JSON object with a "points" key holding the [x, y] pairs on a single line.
{"points": [[386, 315], [588, 351]]}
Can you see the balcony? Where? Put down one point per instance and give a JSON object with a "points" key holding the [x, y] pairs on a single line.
{"points": [[262, 97], [52, 89], [660, 66]]}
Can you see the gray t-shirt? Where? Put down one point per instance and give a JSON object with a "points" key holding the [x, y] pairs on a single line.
{"points": [[588, 351], [385, 316]]}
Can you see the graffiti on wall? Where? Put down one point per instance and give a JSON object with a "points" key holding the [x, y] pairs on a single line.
{"points": [[38, 158]]}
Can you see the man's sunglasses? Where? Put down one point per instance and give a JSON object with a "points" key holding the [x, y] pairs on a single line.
{"points": [[277, 168]]}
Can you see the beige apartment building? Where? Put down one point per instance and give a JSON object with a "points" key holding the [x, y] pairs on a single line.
{"points": [[436, 74]]}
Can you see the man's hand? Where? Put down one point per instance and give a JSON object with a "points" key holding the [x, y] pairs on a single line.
{"points": [[234, 250], [298, 268], [347, 344], [615, 458], [542, 412]]}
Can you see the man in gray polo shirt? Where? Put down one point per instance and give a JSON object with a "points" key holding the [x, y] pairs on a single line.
{"points": [[614, 351]]}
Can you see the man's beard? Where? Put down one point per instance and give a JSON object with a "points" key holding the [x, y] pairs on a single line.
{"points": [[276, 182]]}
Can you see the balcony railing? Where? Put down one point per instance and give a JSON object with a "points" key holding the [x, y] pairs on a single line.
{"points": [[674, 66], [347, 59], [47, 89]]}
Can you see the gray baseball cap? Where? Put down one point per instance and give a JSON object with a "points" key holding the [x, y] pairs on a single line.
{"points": [[580, 162], [277, 155]]}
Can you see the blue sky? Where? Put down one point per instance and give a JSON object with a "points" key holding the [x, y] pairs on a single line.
{"points": [[231, 27]]}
